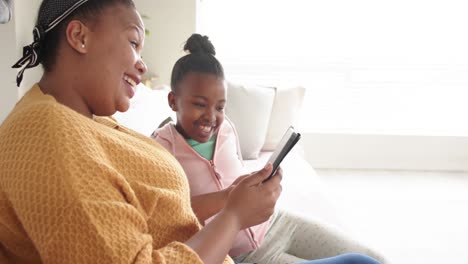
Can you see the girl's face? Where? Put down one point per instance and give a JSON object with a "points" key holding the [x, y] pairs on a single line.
{"points": [[199, 101], [113, 65]]}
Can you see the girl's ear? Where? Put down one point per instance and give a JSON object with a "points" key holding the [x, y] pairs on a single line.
{"points": [[171, 100]]}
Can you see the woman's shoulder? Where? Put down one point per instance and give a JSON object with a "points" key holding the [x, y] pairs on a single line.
{"points": [[41, 117], [31, 114], [49, 122], [36, 106]]}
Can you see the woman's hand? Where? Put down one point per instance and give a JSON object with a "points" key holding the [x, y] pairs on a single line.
{"points": [[252, 202]]}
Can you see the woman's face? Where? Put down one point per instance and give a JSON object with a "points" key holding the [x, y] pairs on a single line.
{"points": [[199, 101], [113, 62]]}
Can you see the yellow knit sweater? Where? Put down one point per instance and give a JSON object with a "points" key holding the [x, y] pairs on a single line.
{"points": [[77, 190]]}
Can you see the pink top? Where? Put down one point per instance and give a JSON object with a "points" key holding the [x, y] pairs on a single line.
{"points": [[207, 176]]}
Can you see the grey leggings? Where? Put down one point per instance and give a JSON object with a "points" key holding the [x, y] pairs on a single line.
{"points": [[292, 239], [350, 258]]}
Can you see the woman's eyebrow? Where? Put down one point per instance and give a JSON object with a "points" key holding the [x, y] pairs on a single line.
{"points": [[139, 29]]}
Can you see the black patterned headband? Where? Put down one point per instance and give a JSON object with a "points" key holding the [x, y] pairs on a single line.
{"points": [[56, 12]]}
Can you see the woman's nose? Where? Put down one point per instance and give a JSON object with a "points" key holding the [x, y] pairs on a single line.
{"points": [[141, 66]]}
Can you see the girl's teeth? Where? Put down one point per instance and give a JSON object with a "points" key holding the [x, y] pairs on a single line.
{"points": [[205, 128]]}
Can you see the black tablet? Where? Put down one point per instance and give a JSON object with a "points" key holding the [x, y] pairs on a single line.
{"points": [[289, 139]]}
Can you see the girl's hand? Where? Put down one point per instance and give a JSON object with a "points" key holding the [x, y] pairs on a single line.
{"points": [[239, 179], [251, 201], [234, 184]]}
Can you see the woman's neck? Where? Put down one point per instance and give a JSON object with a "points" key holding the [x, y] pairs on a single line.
{"points": [[64, 92]]}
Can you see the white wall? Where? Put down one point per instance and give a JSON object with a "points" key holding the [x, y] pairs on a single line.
{"points": [[25, 18], [394, 152], [16, 34], [170, 22], [8, 90]]}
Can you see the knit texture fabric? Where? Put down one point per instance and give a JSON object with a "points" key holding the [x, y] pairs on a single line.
{"points": [[78, 190]]}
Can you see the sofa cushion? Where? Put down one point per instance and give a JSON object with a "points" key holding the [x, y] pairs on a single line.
{"points": [[286, 108], [249, 108]]}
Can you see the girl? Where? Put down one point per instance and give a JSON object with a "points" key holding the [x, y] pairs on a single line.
{"points": [[205, 142]]}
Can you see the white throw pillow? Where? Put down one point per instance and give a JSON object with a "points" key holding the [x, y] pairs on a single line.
{"points": [[249, 108], [148, 108], [286, 107]]}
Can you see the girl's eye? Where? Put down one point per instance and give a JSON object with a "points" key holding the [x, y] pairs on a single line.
{"points": [[134, 44], [221, 108]]}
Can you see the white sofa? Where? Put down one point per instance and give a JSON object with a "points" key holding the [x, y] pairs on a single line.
{"points": [[261, 115]]}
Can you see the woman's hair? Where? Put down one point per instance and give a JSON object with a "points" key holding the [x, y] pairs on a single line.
{"points": [[201, 59], [89, 11]]}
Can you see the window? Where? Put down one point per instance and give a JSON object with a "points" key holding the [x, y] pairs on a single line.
{"points": [[369, 66]]}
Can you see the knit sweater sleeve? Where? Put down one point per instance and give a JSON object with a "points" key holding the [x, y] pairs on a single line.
{"points": [[103, 231], [73, 199], [100, 227]]}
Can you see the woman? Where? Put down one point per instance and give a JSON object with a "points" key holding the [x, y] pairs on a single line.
{"points": [[76, 187]]}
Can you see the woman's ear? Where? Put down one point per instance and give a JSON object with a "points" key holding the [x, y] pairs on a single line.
{"points": [[77, 36], [171, 100]]}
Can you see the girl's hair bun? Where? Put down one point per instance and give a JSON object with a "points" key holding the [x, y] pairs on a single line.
{"points": [[199, 44]]}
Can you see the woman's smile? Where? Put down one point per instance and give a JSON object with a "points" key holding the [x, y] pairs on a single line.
{"points": [[130, 84]]}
